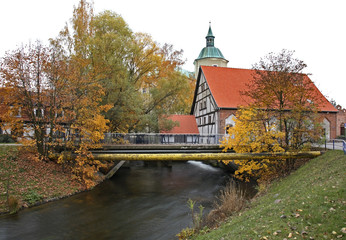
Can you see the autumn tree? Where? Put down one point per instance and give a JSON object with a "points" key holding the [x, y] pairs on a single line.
{"points": [[280, 87], [252, 134], [281, 115], [96, 75], [28, 97], [167, 90], [111, 46], [83, 108], [141, 79], [55, 91]]}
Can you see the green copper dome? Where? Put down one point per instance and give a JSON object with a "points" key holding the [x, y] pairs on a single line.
{"points": [[210, 51]]}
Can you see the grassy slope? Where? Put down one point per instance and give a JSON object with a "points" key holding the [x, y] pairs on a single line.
{"points": [[312, 200], [32, 181]]}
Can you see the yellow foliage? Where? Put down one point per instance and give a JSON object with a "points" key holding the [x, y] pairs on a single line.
{"points": [[253, 132]]}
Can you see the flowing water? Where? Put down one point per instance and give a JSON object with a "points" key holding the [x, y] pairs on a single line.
{"points": [[137, 203]]}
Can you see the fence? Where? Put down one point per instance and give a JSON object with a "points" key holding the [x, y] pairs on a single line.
{"points": [[333, 144], [337, 144], [158, 138]]}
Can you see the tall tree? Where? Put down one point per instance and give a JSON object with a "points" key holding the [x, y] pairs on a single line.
{"points": [[281, 116], [140, 78], [111, 47], [83, 110], [27, 94], [280, 87]]}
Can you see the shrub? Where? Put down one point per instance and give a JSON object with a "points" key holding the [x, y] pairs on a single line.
{"points": [[32, 197], [231, 200], [343, 137], [5, 138], [196, 217], [186, 233], [13, 204]]}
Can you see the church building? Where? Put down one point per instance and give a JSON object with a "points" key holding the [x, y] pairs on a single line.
{"points": [[218, 96]]}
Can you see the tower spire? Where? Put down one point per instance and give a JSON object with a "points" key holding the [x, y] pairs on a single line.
{"points": [[210, 55], [210, 37]]}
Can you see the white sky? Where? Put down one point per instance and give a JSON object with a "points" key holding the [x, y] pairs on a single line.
{"points": [[244, 30]]}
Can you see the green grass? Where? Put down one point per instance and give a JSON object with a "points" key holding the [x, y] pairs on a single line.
{"points": [[308, 204]]}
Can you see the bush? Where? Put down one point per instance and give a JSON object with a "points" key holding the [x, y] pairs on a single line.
{"points": [[32, 197], [6, 138], [231, 200], [341, 137], [13, 204]]}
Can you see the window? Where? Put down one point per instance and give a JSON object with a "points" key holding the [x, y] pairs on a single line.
{"points": [[229, 122], [203, 105], [326, 127], [209, 119], [228, 127], [38, 112]]}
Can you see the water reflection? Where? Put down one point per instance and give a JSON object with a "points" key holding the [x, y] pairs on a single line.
{"points": [[137, 203]]}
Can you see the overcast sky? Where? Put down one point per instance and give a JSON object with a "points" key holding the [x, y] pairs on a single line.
{"points": [[244, 30]]}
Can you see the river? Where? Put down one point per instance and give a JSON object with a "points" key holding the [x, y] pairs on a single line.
{"points": [[142, 203]]}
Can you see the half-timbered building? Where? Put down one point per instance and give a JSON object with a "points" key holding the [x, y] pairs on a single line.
{"points": [[218, 95]]}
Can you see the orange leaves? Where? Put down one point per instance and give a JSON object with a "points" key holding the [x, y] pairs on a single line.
{"points": [[280, 87], [252, 133]]}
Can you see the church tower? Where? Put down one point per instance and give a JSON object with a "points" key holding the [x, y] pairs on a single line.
{"points": [[210, 55]]}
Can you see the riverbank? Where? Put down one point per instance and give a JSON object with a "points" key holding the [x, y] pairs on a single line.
{"points": [[308, 204], [26, 181]]}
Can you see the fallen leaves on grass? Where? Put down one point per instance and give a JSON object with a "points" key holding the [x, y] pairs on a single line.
{"points": [[28, 175]]}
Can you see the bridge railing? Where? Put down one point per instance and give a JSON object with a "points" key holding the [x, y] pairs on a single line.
{"points": [[161, 138], [337, 144], [333, 144]]}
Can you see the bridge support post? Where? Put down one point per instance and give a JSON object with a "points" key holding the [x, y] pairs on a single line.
{"points": [[114, 170]]}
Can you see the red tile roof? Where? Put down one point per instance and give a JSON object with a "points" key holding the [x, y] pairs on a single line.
{"points": [[187, 124], [226, 85]]}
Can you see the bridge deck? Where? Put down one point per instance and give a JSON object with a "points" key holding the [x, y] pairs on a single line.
{"points": [[201, 156], [159, 148]]}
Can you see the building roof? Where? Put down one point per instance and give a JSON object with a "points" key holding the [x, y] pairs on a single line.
{"points": [[210, 51], [210, 32], [187, 124], [226, 85]]}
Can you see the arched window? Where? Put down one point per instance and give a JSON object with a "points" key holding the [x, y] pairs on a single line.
{"points": [[229, 122], [326, 127]]}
